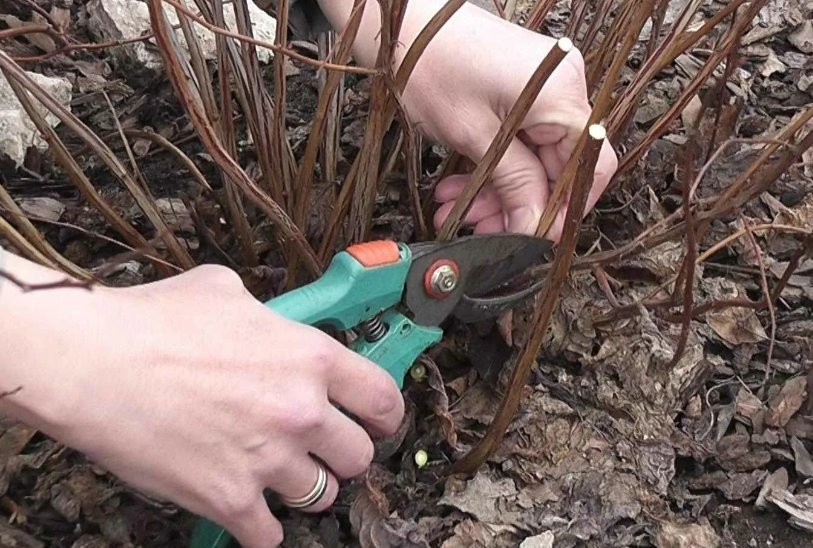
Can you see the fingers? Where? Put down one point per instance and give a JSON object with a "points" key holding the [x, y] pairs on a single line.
{"points": [[256, 527], [605, 169], [298, 480], [491, 225], [343, 445], [552, 160], [486, 204], [521, 183], [451, 187], [365, 390]]}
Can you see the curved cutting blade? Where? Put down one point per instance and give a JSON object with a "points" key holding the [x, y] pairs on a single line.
{"points": [[485, 262]]}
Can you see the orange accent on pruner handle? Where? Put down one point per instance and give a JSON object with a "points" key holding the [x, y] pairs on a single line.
{"points": [[378, 253]]}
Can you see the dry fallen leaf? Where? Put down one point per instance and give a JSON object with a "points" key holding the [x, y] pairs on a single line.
{"points": [[376, 529], [804, 463], [777, 480], [802, 38], [474, 534], [545, 540], [43, 207], [787, 402], [691, 535], [736, 325], [12, 537], [481, 497], [773, 65], [748, 404], [800, 507], [740, 485], [439, 401]]}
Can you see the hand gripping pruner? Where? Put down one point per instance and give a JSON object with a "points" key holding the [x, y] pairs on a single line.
{"points": [[396, 296]]}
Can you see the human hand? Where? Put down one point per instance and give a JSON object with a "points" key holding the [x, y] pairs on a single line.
{"points": [[192, 390], [460, 95], [465, 83]]}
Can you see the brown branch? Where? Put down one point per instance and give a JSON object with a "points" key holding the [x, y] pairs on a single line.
{"points": [[68, 283], [412, 159], [86, 46], [663, 123], [631, 30], [37, 239], [274, 47], [166, 144], [537, 16], [7, 393], [207, 134], [766, 291], [93, 234], [543, 310], [222, 117], [342, 53], [405, 70], [793, 264], [713, 158], [738, 192], [689, 261], [14, 73], [586, 262], [40, 28], [140, 191]]}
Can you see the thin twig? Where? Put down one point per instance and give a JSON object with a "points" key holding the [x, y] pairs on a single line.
{"points": [[97, 235], [63, 157], [274, 47], [766, 296], [689, 261], [543, 310], [192, 106]]}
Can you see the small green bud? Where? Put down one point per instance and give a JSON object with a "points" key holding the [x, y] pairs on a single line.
{"points": [[418, 372], [421, 458]]}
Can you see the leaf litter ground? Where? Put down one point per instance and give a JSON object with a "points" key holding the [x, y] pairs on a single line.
{"points": [[607, 450]]}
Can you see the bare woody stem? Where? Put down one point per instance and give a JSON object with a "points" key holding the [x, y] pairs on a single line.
{"points": [[197, 115], [543, 309]]}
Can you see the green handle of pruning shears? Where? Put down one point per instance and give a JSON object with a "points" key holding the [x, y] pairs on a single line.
{"points": [[363, 282]]}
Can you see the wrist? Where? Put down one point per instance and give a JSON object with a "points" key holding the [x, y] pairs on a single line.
{"points": [[48, 337], [418, 14]]}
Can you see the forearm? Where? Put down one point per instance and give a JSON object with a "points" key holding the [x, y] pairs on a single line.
{"points": [[37, 330], [365, 48]]}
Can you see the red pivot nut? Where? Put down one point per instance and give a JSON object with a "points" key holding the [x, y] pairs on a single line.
{"points": [[441, 279]]}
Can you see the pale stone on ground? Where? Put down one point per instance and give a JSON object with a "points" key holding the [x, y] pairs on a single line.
{"points": [[17, 131], [117, 19]]}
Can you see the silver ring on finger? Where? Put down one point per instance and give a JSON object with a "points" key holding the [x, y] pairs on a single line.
{"points": [[315, 494]]}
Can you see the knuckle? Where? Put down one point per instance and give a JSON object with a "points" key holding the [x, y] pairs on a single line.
{"points": [[577, 59], [386, 400], [234, 506], [219, 276], [323, 354], [309, 414], [365, 458]]}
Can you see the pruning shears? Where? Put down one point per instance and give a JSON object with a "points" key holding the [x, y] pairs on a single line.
{"points": [[396, 296]]}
